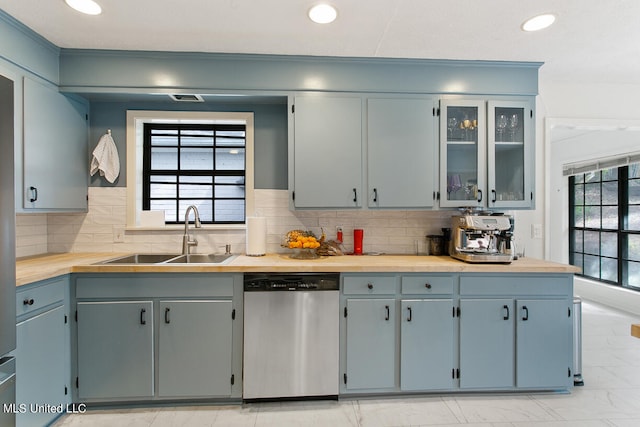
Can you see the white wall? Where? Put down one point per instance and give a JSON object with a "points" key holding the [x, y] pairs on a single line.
{"points": [[606, 122]]}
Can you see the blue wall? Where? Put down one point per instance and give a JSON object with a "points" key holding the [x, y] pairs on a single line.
{"points": [[270, 143]]}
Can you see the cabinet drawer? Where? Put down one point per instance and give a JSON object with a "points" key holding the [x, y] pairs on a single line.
{"points": [[427, 285], [516, 284], [32, 298], [369, 285]]}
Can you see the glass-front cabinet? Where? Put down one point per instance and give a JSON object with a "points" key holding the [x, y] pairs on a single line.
{"points": [[462, 151], [509, 155], [486, 153]]}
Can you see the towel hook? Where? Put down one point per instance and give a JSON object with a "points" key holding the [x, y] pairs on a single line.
{"points": [[108, 131]]}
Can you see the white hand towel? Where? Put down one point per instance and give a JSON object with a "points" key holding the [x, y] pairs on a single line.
{"points": [[105, 159]]}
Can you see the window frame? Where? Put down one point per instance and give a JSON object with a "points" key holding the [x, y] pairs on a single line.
{"points": [[135, 141], [622, 231]]}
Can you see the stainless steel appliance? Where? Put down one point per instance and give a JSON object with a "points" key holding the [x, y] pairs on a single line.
{"points": [[291, 335], [7, 256], [482, 238]]}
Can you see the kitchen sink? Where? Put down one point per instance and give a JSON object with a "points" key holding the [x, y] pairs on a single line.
{"points": [[201, 259], [141, 259]]}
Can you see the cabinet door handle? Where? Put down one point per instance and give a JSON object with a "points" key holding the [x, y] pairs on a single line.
{"points": [[493, 196], [34, 194], [410, 314], [479, 196], [370, 285], [506, 308], [388, 315], [427, 285], [355, 196], [28, 301], [526, 313], [375, 195], [166, 315], [143, 320]]}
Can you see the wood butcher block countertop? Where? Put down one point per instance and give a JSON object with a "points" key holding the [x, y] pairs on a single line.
{"points": [[32, 269]]}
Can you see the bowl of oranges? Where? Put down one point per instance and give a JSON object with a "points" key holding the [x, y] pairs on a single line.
{"points": [[303, 244]]}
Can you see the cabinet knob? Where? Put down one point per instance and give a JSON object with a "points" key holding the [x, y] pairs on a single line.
{"points": [[369, 285], [427, 285], [28, 301]]}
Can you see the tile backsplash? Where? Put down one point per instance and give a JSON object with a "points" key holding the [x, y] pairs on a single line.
{"points": [[102, 228]]}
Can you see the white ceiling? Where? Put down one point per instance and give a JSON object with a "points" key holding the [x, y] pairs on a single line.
{"points": [[591, 41]]}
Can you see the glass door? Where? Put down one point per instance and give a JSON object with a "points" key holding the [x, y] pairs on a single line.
{"points": [[462, 151], [509, 160]]}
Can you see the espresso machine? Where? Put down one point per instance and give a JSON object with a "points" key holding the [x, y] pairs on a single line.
{"points": [[482, 238]]}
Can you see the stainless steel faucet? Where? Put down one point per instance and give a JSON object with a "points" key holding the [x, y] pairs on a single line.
{"points": [[187, 240]]}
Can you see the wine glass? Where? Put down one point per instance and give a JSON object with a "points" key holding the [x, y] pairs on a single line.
{"points": [[454, 184], [514, 123], [501, 125], [452, 123]]}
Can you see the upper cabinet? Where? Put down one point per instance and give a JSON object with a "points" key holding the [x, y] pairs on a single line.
{"points": [[402, 152], [55, 158], [327, 151], [486, 154]]}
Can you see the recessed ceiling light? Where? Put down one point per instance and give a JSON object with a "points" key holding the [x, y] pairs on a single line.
{"points": [[539, 22], [88, 7], [323, 13]]}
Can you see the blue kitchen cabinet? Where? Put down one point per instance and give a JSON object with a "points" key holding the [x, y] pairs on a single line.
{"points": [[115, 349], [544, 343], [427, 344], [371, 344], [402, 147], [326, 155], [56, 170], [192, 335], [42, 352], [486, 343]]}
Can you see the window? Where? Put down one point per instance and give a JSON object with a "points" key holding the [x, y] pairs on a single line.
{"points": [[194, 157], [605, 225], [195, 164]]}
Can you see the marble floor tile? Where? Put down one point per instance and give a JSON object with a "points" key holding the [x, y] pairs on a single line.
{"points": [[609, 398]]}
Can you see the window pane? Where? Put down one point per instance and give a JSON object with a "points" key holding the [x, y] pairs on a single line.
{"points": [[230, 179], [168, 206], [634, 191], [577, 260], [634, 274], [230, 159], [198, 132], [164, 140], [633, 247], [163, 191], [579, 178], [163, 179], [164, 158], [578, 194], [592, 242], [610, 193], [230, 210], [592, 194], [634, 218], [634, 170], [610, 174], [609, 268], [196, 159], [591, 266], [196, 141], [229, 191], [610, 217], [592, 177], [609, 244], [196, 178], [592, 216], [204, 209], [578, 216], [196, 191], [578, 241]]}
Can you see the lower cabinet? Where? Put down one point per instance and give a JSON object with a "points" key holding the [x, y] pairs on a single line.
{"points": [[371, 337], [145, 337], [42, 351], [115, 349], [427, 344], [194, 348]]}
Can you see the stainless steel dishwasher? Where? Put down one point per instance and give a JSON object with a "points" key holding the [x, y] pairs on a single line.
{"points": [[291, 335]]}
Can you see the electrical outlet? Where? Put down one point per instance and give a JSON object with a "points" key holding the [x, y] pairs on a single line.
{"points": [[118, 235], [536, 231]]}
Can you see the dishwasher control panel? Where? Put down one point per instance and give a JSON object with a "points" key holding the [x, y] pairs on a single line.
{"points": [[268, 282]]}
